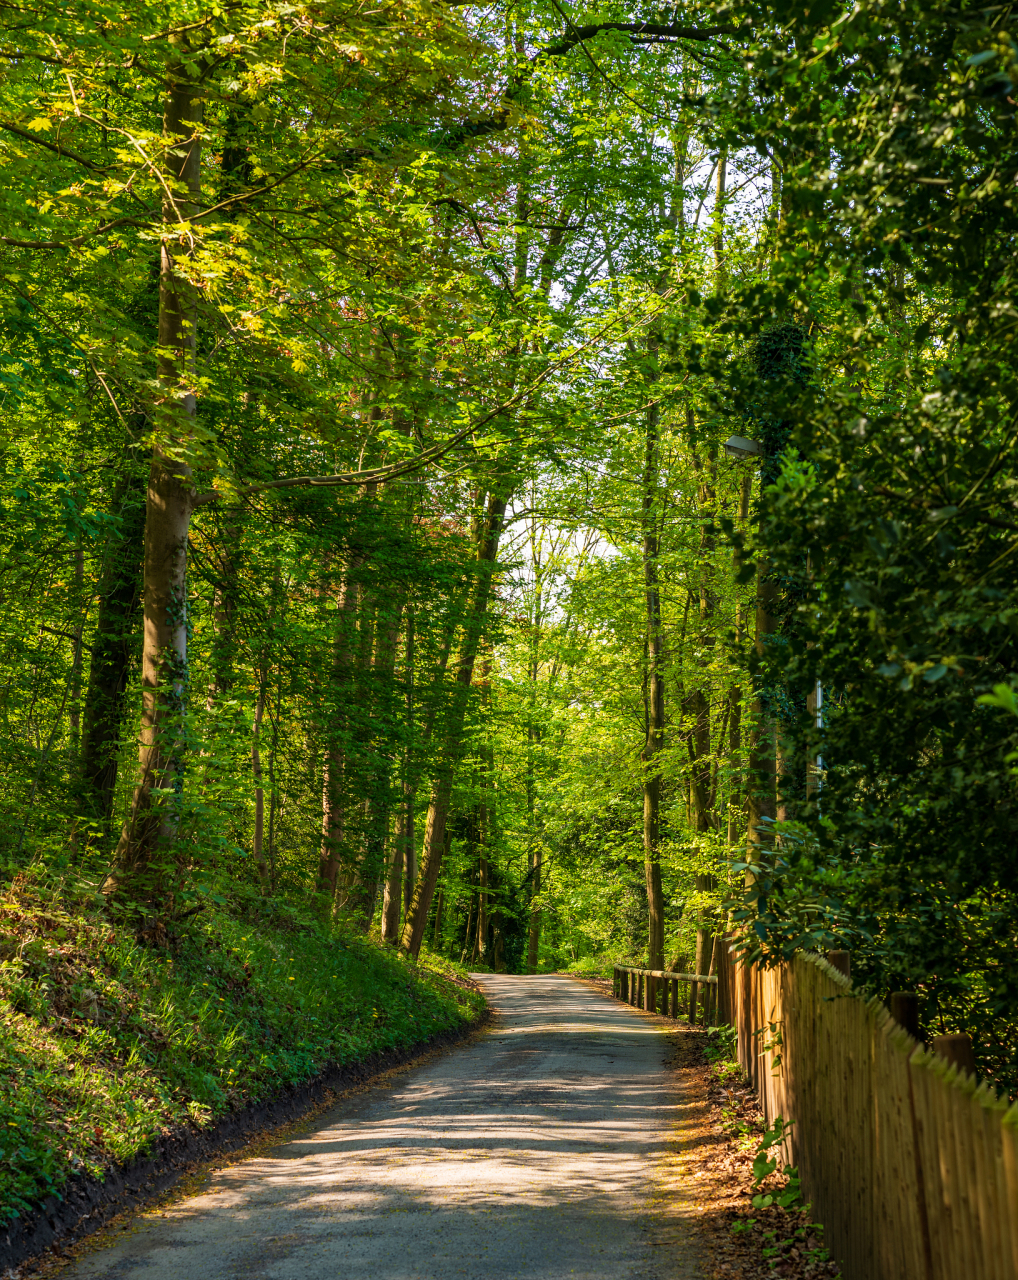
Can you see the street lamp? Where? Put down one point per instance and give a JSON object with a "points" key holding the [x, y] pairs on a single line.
{"points": [[741, 447]]}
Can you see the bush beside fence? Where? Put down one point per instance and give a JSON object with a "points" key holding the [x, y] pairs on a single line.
{"points": [[911, 1165]]}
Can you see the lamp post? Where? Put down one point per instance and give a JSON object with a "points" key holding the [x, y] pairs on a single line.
{"points": [[741, 447]]}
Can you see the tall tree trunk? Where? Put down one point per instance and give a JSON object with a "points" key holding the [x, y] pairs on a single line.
{"points": [[763, 739], [485, 815], [408, 839], [114, 647], [482, 906], [273, 807], [535, 846], [655, 697], [378, 802], [257, 843], [735, 798], [403, 844], [469, 930], [703, 794], [415, 759], [74, 709], [487, 533], [224, 608], [337, 742], [720, 272], [141, 865], [534, 929]]}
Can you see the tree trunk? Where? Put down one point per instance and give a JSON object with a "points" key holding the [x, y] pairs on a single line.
{"points": [[655, 699], [378, 802], [466, 935], [763, 740], [113, 650], [74, 709], [403, 844], [703, 794], [272, 780], [485, 822], [720, 273], [415, 760], [144, 852], [534, 931], [482, 907], [334, 770], [224, 608], [735, 693], [257, 843], [487, 533]]}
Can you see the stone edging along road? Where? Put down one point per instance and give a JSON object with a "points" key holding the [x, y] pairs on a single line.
{"points": [[87, 1204], [550, 1147]]}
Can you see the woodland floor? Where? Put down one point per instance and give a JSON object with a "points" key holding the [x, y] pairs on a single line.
{"points": [[574, 1138]]}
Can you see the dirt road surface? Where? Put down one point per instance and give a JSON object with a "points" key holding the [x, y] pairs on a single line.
{"points": [[547, 1147]]}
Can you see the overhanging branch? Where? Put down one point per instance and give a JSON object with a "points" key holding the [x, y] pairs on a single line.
{"points": [[381, 475], [670, 31]]}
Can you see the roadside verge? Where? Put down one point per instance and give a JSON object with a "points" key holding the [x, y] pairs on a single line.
{"points": [[88, 1202]]}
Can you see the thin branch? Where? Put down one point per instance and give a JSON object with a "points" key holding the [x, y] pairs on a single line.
{"points": [[53, 146], [77, 241]]}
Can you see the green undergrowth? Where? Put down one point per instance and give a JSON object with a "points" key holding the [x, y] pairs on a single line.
{"points": [[590, 967], [106, 1044]]}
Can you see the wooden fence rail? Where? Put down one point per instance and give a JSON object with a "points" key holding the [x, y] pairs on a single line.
{"points": [[657, 991], [911, 1165]]}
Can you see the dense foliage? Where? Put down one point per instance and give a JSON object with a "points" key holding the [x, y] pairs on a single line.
{"points": [[370, 542], [891, 523]]}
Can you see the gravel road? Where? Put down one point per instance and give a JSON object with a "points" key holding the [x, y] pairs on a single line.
{"points": [[540, 1149]]}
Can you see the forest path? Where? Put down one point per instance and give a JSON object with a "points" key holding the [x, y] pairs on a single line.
{"points": [[545, 1147]]}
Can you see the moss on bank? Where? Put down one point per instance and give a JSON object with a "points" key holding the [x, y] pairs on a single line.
{"points": [[105, 1044]]}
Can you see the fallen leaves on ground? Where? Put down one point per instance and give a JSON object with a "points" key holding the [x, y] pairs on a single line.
{"points": [[739, 1241]]}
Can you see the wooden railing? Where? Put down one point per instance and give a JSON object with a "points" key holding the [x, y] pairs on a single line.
{"points": [[657, 991], [910, 1163]]}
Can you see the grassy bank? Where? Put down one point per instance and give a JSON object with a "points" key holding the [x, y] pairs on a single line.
{"points": [[105, 1044]]}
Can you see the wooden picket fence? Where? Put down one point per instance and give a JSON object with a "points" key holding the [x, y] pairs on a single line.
{"points": [[911, 1165]]}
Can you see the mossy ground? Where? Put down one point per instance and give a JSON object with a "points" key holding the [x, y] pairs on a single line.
{"points": [[105, 1043]]}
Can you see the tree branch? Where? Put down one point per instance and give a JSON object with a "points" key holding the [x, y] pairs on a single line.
{"points": [[380, 475], [53, 146], [670, 31]]}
